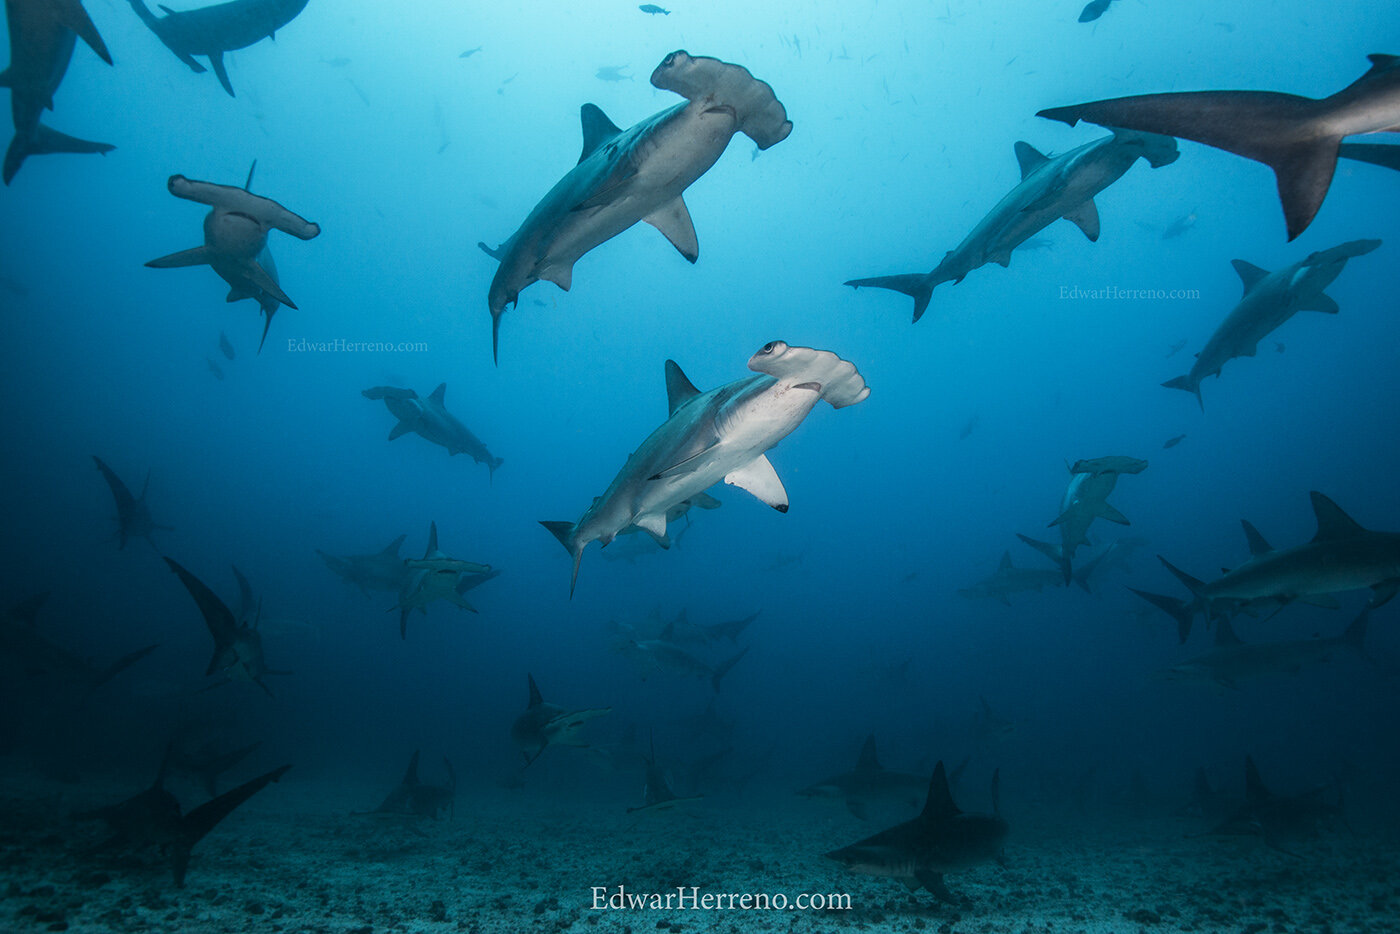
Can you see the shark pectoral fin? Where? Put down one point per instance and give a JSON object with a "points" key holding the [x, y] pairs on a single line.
{"points": [[759, 478], [1321, 302], [399, 430], [216, 61], [1086, 218], [654, 524], [72, 16], [495, 254], [197, 256], [1382, 593], [685, 466], [259, 277], [673, 220], [1105, 511], [237, 295]]}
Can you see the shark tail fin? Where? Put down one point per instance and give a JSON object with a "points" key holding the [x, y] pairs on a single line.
{"points": [[723, 668], [197, 823], [916, 285], [1179, 610], [564, 532], [43, 141], [1189, 385]]}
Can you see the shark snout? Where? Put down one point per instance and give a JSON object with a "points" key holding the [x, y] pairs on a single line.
{"points": [[233, 234]]}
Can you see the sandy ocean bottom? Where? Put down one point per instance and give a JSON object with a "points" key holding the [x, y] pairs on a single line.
{"points": [[294, 860]]}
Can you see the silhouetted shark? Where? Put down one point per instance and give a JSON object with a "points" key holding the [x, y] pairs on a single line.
{"points": [[1276, 818], [133, 515], [429, 419], [543, 725], [656, 793], [238, 651], [34, 654], [213, 30], [382, 570], [412, 798], [869, 784]]}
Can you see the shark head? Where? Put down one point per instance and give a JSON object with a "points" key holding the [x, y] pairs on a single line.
{"points": [[234, 234]]}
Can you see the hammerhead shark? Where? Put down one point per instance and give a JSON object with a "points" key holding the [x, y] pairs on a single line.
{"points": [[235, 241], [942, 839], [213, 30], [709, 436], [382, 570], [1277, 818], [625, 176], [1270, 299], [1297, 137], [656, 792], [434, 577], [429, 419], [1086, 499], [153, 819], [1050, 188], [413, 798], [868, 783], [1231, 661], [542, 725], [133, 516], [238, 650], [43, 34], [21, 639]]}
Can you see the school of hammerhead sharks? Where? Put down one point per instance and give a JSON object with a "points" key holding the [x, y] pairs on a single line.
{"points": [[640, 173]]}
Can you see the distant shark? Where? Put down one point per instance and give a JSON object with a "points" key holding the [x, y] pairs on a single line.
{"points": [[238, 650], [942, 839], [434, 577], [430, 419], [625, 176], [207, 761], [1050, 188], [34, 654], [682, 630], [413, 798], [222, 27], [235, 241], [133, 515], [153, 819], [669, 657], [1009, 579], [868, 784], [382, 570], [1297, 137], [656, 792], [1270, 299], [543, 725], [1278, 819], [1086, 499], [1232, 661], [709, 436], [43, 34]]}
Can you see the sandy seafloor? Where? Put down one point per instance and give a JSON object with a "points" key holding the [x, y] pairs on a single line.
{"points": [[294, 860]]}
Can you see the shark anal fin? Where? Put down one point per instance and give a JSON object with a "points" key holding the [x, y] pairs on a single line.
{"points": [[759, 478], [673, 220]]}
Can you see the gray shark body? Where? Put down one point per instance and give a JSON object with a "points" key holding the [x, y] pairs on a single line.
{"points": [[43, 34], [133, 515], [870, 784], [1297, 137], [1270, 299], [1050, 188], [1009, 579], [1278, 819], [1232, 661], [415, 798], [1086, 499], [235, 241], [434, 577], [661, 655], [238, 649], [543, 725], [624, 177], [382, 570], [153, 819], [942, 839], [657, 794], [430, 419], [222, 27], [717, 435], [34, 653]]}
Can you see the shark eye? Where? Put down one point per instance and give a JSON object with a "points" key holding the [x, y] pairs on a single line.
{"points": [[768, 347]]}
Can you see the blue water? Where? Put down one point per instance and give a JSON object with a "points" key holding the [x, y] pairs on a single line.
{"points": [[904, 117]]}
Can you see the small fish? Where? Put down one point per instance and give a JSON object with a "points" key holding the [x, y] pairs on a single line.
{"points": [[1173, 442], [612, 73], [1179, 226], [225, 346], [470, 52], [336, 62], [1093, 10], [1174, 349], [214, 368], [968, 428], [652, 9], [1278, 345]]}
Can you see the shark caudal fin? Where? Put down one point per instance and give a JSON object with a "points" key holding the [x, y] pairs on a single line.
{"points": [[197, 823], [1179, 610], [1189, 385], [564, 532], [916, 285], [44, 141], [723, 668]]}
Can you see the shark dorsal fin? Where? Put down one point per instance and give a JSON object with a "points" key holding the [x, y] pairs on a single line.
{"points": [[668, 632], [1225, 635], [597, 129], [1254, 790], [536, 698], [939, 806], [393, 547], [868, 761], [1249, 273], [679, 388], [432, 540], [1257, 545], [411, 776], [439, 394], [1030, 158], [1005, 564], [1332, 523]]}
